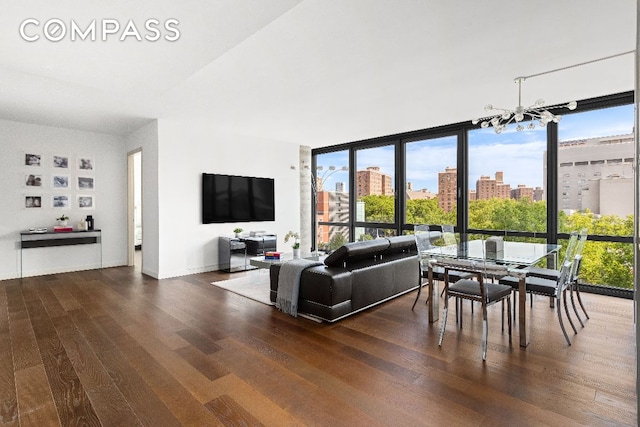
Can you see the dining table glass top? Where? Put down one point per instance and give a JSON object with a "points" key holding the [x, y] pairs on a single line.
{"points": [[513, 253]]}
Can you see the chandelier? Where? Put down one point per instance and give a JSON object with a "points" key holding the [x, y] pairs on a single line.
{"points": [[537, 112]]}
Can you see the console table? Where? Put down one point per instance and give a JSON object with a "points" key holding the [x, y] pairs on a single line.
{"points": [[29, 240], [232, 255]]}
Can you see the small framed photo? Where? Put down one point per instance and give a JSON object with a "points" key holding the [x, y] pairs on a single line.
{"points": [[33, 159], [31, 202], [61, 201], [86, 163], [60, 181], [85, 183], [86, 202], [33, 180], [61, 162]]}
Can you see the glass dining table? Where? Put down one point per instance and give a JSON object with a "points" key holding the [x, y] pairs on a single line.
{"points": [[471, 255]]}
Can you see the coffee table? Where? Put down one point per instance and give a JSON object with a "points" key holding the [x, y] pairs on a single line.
{"points": [[261, 262]]}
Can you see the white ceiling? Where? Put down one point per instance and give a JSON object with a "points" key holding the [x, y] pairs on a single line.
{"points": [[312, 72]]}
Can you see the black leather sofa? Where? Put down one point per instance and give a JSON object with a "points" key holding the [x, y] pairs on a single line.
{"points": [[356, 276]]}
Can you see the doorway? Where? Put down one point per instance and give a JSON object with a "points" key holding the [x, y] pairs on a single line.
{"points": [[134, 211]]}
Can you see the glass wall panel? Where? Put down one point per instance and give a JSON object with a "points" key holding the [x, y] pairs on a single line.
{"points": [[334, 237], [595, 171], [370, 233], [431, 181], [595, 189], [331, 190], [375, 192], [506, 179]]}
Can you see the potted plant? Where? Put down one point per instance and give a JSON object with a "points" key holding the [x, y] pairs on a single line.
{"points": [[296, 242], [62, 220], [237, 230]]}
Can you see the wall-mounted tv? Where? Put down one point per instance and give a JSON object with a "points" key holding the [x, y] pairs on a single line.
{"points": [[230, 198]]}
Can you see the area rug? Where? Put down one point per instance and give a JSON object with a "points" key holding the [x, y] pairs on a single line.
{"points": [[253, 285]]}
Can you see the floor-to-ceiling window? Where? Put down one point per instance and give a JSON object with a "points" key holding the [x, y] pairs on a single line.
{"points": [[595, 190], [331, 189], [506, 178], [536, 184], [431, 180], [375, 192]]}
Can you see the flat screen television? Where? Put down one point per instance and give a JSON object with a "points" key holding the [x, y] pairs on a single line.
{"points": [[230, 198]]}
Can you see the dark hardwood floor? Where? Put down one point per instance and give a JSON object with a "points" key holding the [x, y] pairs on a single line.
{"points": [[111, 347]]}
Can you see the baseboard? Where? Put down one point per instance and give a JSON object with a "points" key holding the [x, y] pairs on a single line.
{"points": [[607, 290]]}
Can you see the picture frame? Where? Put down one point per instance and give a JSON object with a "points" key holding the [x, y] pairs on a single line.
{"points": [[86, 202], [33, 180], [60, 161], [86, 183], [60, 181], [60, 201], [86, 163], [32, 160], [33, 202]]}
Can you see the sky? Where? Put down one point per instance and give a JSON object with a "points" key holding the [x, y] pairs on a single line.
{"points": [[518, 154]]}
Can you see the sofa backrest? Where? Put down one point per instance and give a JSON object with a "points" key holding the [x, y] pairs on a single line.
{"points": [[356, 252], [401, 245]]}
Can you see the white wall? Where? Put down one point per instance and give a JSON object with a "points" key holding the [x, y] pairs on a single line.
{"points": [[186, 149], [109, 155], [146, 139]]}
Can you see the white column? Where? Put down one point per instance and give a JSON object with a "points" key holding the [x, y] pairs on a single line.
{"points": [[305, 199]]}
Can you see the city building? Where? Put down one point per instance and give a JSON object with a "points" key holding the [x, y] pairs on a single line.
{"points": [[447, 188], [524, 192], [372, 181], [487, 188], [418, 194], [595, 173], [332, 206]]}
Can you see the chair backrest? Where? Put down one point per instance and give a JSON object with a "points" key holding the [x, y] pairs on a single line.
{"points": [[423, 242], [571, 247], [575, 269], [582, 239], [563, 280], [449, 235]]}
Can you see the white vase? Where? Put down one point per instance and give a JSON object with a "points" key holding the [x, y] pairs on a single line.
{"points": [[296, 253], [62, 223]]}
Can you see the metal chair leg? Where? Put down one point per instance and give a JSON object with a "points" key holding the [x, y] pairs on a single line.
{"points": [[509, 316], [580, 299], [485, 330], [566, 310], [573, 304], [566, 337], [444, 321], [419, 291]]}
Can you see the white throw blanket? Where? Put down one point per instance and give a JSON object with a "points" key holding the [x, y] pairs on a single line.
{"points": [[289, 284]]}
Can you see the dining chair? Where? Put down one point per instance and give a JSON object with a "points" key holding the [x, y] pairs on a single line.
{"points": [[574, 285], [424, 235], [552, 273], [555, 289], [478, 290]]}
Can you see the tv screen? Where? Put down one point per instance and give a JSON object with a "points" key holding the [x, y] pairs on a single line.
{"points": [[231, 198]]}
